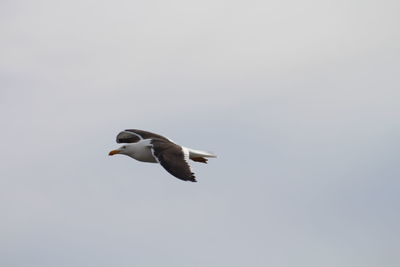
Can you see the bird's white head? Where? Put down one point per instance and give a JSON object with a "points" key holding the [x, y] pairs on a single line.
{"points": [[125, 150]]}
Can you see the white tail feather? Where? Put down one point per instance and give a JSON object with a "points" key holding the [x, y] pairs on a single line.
{"points": [[199, 153]]}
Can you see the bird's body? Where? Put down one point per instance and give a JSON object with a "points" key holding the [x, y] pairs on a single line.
{"points": [[141, 151], [150, 147]]}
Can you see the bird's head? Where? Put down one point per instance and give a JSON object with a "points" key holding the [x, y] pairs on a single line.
{"points": [[125, 150]]}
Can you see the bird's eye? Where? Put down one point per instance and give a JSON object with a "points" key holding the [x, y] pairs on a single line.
{"points": [[124, 147]]}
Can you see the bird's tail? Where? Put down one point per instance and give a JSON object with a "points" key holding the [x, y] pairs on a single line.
{"points": [[199, 155]]}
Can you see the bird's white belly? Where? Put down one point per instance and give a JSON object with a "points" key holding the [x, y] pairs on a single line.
{"points": [[144, 155]]}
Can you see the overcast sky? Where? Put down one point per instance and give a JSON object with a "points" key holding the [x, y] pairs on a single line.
{"points": [[299, 99]]}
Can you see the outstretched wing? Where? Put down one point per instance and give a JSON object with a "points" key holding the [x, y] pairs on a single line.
{"points": [[173, 158], [134, 135]]}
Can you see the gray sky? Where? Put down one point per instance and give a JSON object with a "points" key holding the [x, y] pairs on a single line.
{"points": [[299, 99]]}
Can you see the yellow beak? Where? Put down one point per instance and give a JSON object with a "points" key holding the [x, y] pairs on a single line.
{"points": [[113, 152]]}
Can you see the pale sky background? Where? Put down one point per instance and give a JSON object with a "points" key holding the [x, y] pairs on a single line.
{"points": [[299, 99]]}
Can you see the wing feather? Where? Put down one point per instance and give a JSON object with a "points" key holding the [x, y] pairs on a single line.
{"points": [[173, 158], [134, 136]]}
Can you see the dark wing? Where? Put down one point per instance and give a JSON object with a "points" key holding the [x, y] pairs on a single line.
{"points": [[134, 135], [173, 159]]}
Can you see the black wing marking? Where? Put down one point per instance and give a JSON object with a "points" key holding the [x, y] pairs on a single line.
{"points": [[127, 137], [172, 158], [134, 135]]}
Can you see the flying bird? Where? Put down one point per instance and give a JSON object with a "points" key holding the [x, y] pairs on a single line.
{"points": [[150, 147]]}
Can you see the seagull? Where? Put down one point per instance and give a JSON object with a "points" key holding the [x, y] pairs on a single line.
{"points": [[150, 147]]}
